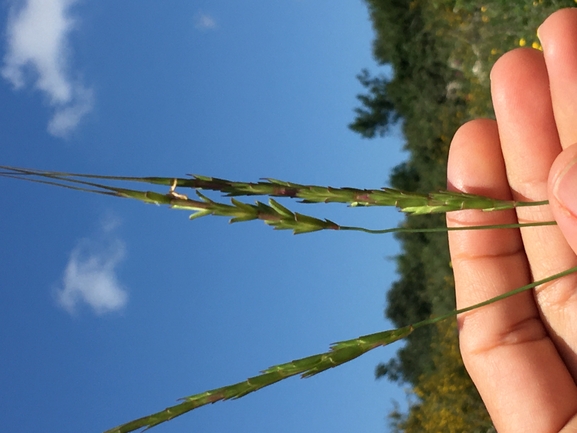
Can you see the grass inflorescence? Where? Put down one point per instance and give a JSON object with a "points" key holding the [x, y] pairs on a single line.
{"points": [[281, 218]]}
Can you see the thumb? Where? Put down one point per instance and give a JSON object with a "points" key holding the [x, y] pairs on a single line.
{"points": [[563, 193]]}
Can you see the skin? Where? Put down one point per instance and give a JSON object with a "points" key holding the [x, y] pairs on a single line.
{"points": [[522, 352]]}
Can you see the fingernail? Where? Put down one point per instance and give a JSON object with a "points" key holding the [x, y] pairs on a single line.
{"points": [[565, 188]]}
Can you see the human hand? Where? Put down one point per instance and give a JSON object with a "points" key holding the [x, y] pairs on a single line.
{"points": [[521, 352]]}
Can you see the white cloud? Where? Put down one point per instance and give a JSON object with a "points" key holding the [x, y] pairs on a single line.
{"points": [[90, 275], [37, 50], [204, 21], [109, 222], [68, 116]]}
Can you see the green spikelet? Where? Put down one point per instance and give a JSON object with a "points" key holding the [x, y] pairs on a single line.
{"points": [[410, 202], [338, 354]]}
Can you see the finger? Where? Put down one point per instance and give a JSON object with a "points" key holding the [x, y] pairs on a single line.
{"points": [[563, 193], [558, 35], [513, 363], [530, 144]]}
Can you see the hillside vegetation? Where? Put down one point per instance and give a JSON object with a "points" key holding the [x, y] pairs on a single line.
{"points": [[441, 53]]}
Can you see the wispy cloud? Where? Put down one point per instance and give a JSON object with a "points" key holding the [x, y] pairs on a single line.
{"points": [[203, 21], [38, 51], [90, 275]]}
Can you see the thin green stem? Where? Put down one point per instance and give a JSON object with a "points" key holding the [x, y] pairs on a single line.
{"points": [[447, 229], [496, 298]]}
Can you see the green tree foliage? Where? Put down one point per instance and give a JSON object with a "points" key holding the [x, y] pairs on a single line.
{"points": [[440, 52], [377, 113], [445, 398], [403, 42]]}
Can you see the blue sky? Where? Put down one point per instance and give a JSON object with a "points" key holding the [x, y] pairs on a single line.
{"points": [[111, 309]]}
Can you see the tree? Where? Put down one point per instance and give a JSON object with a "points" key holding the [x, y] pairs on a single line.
{"points": [[446, 399], [378, 111]]}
